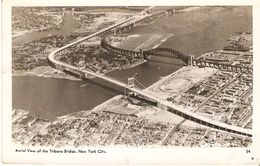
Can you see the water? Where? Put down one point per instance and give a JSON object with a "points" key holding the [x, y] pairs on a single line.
{"points": [[51, 97], [194, 33], [201, 32], [147, 73], [70, 24]]}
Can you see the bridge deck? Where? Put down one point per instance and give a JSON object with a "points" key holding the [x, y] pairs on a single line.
{"points": [[51, 57], [164, 102]]}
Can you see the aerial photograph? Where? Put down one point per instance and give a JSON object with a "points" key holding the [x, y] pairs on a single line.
{"points": [[132, 76]]}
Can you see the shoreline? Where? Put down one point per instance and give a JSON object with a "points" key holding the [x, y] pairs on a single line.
{"points": [[20, 33], [30, 31], [188, 9], [103, 105], [164, 78], [125, 68], [172, 88], [31, 73], [97, 107]]}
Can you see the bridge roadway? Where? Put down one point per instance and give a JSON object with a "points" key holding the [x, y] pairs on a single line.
{"points": [[168, 105]]}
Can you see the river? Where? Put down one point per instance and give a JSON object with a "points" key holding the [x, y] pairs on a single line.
{"points": [[201, 32], [70, 24], [194, 33], [51, 97]]}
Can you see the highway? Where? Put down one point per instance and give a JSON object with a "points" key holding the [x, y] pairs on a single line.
{"points": [[157, 99], [168, 105], [52, 54]]}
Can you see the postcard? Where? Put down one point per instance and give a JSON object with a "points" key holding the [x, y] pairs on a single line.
{"points": [[122, 82]]}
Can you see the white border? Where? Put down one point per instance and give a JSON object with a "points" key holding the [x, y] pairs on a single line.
{"points": [[187, 156]]}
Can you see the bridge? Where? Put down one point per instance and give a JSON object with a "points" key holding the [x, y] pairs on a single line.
{"points": [[162, 52], [166, 105], [169, 53], [223, 66], [120, 51], [147, 10]]}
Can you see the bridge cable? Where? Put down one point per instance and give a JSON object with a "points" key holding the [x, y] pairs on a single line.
{"points": [[139, 83], [116, 79], [137, 87]]}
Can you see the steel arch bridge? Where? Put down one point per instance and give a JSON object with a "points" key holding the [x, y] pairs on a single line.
{"points": [[167, 52]]}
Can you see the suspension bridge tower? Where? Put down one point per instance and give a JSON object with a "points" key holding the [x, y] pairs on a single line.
{"points": [[134, 83], [131, 82], [191, 59]]}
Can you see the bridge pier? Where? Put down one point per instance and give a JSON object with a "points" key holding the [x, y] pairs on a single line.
{"points": [[166, 13], [82, 75], [194, 63], [197, 63], [191, 60], [141, 53], [162, 106], [59, 67]]}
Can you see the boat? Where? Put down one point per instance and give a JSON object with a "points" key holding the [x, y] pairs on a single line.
{"points": [[83, 85]]}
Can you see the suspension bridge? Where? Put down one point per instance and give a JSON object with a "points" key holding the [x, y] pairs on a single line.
{"points": [[131, 86]]}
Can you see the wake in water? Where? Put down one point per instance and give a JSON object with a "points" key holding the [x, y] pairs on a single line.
{"points": [[83, 85]]}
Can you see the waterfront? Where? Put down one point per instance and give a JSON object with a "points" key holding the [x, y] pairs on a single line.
{"points": [[65, 30], [198, 32], [215, 91], [56, 97]]}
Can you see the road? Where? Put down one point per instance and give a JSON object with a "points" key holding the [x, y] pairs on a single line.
{"points": [[216, 93], [140, 92], [164, 102]]}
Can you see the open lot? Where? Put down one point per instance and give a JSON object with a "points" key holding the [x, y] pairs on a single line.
{"points": [[136, 42], [180, 81]]}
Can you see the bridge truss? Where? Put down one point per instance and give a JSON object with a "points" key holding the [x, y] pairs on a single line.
{"points": [[166, 52], [169, 53]]}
